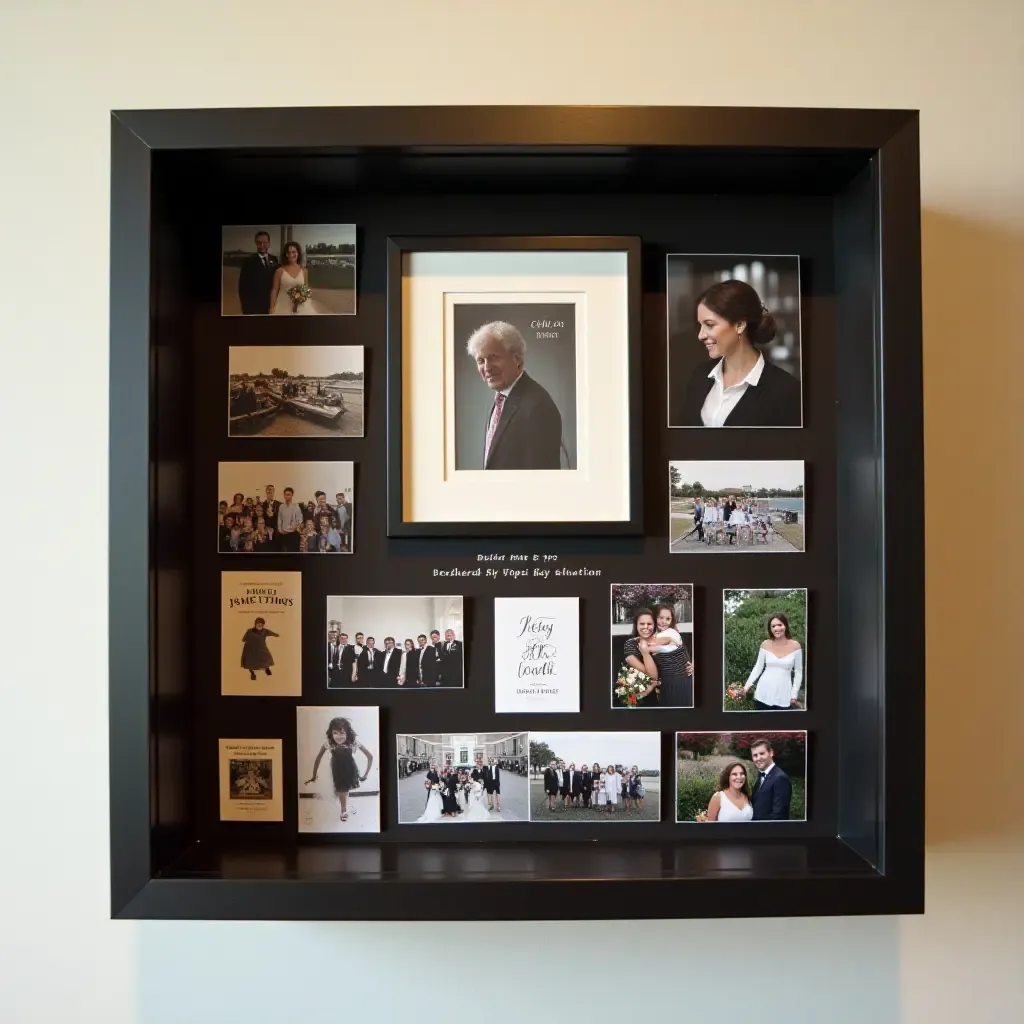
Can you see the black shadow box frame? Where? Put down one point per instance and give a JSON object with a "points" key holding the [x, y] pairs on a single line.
{"points": [[838, 187]]}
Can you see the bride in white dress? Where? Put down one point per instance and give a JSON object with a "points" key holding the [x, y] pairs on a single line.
{"points": [[732, 801], [779, 669], [432, 810], [290, 274], [477, 807]]}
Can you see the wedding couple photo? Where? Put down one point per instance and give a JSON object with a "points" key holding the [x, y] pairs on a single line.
{"points": [[462, 778], [734, 341], [750, 507], [288, 269], [652, 645], [295, 391], [595, 776], [741, 777]]}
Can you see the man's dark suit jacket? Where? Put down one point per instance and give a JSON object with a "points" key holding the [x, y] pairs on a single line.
{"points": [[772, 796], [389, 675], [430, 666], [412, 665], [254, 284], [368, 676], [529, 433], [451, 663], [774, 402], [551, 781]]}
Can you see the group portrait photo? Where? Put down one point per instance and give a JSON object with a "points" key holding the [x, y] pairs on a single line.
{"points": [[652, 645], [764, 642], [338, 769], [295, 391], [749, 506], [285, 508], [515, 385], [467, 778], [395, 642], [288, 269], [734, 340], [595, 776], [741, 776]]}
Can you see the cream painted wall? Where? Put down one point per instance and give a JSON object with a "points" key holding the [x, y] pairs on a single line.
{"points": [[66, 64]]}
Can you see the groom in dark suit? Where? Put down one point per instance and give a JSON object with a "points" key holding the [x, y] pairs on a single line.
{"points": [[257, 278], [524, 427], [492, 783], [774, 790]]}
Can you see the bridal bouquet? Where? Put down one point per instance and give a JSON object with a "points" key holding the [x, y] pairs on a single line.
{"points": [[432, 785], [630, 685], [735, 690], [298, 293]]}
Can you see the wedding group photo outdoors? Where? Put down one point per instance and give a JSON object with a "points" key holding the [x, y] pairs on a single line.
{"points": [[338, 769], [741, 776], [295, 391], [652, 645], [288, 269], [285, 507], [595, 776], [515, 385], [764, 640], [734, 347], [462, 778], [392, 642], [719, 507]]}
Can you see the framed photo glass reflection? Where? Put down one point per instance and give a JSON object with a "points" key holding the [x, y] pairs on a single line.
{"points": [[513, 384]]}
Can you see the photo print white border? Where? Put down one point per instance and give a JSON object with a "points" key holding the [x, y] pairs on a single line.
{"points": [[688, 638], [753, 549], [806, 648], [411, 687], [768, 734], [668, 332]]}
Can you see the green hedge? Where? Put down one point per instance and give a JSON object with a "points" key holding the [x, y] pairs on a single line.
{"points": [[322, 275]]}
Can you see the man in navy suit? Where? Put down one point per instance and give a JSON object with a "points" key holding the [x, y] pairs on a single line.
{"points": [[774, 790]]}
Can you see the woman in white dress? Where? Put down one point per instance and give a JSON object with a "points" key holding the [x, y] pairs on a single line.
{"points": [[433, 810], [289, 275], [612, 787], [712, 521], [477, 810], [732, 801], [779, 669]]}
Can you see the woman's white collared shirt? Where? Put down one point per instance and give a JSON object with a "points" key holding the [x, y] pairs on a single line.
{"points": [[722, 400]]}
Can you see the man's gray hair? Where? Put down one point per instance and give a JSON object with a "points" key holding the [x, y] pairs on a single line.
{"points": [[509, 336]]}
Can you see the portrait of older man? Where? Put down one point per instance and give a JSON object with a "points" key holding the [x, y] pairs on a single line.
{"points": [[523, 429]]}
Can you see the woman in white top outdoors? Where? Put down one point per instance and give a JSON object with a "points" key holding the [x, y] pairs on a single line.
{"points": [[712, 521], [779, 670], [732, 801]]}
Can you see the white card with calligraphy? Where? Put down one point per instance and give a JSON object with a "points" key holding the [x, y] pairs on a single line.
{"points": [[536, 654]]}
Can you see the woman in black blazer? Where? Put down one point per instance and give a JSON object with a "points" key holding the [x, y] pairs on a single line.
{"points": [[736, 386]]}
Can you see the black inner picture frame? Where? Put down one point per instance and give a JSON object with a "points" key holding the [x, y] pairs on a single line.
{"points": [[837, 188]]}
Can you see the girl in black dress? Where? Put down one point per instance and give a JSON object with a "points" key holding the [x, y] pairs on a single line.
{"points": [[256, 656], [341, 745]]}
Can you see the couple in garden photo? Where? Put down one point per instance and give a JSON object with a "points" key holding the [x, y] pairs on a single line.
{"points": [[739, 777]]}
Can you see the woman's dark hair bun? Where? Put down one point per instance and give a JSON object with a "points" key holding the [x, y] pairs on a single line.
{"points": [[737, 301], [764, 330]]}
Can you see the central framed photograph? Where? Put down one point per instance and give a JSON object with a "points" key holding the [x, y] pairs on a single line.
{"points": [[513, 386]]}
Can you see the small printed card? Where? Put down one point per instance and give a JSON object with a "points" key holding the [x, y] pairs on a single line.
{"points": [[536, 654], [250, 780]]}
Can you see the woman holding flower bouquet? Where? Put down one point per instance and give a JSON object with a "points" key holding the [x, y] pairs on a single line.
{"points": [[434, 808], [637, 682], [290, 293]]}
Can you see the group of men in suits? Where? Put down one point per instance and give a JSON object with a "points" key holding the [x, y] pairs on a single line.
{"points": [[454, 780], [574, 786], [362, 663]]}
